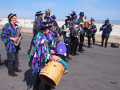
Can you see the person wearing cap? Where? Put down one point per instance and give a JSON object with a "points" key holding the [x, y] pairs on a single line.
{"points": [[8, 35], [37, 23], [40, 54], [55, 23], [74, 34], [66, 36], [81, 33], [106, 30], [91, 32]]}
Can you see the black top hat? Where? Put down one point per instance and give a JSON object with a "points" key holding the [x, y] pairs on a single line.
{"points": [[54, 17], [73, 13], [39, 13], [67, 18], [74, 16], [10, 16], [81, 13], [106, 21], [45, 25]]}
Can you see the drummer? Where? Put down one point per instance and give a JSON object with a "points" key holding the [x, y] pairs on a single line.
{"points": [[40, 55]]}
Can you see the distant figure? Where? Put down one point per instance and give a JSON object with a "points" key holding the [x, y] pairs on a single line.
{"points": [[55, 23], [74, 34], [8, 35], [37, 23], [66, 36], [91, 32], [106, 28], [82, 32]]}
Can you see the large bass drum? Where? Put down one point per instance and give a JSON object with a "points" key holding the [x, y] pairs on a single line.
{"points": [[52, 72]]}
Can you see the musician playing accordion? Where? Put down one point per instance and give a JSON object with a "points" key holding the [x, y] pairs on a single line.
{"points": [[74, 34], [8, 35], [106, 30]]}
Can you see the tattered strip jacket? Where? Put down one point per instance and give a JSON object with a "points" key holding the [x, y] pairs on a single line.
{"points": [[7, 32], [92, 30], [78, 22], [107, 29], [39, 54]]}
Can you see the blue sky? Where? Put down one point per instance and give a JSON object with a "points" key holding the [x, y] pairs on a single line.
{"points": [[98, 9]]}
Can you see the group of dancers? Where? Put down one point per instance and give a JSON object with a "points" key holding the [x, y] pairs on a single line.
{"points": [[45, 40]]}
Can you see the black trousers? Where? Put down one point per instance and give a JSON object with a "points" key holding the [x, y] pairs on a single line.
{"points": [[104, 37], [12, 60], [68, 45], [81, 42], [37, 83], [74, 44], [89, 39]]}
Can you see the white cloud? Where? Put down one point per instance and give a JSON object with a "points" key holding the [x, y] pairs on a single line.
{"points": [[44, 4]]}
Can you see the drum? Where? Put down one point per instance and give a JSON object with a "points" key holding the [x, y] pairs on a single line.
{"points": [[52, 72]]}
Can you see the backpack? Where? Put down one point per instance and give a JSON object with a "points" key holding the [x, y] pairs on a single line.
{"points": [[115, 45]]}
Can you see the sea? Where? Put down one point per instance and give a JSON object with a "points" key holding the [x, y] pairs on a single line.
{"points": [[101, 21], [111, 21]]}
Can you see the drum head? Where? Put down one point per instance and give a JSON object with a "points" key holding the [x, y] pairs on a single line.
{"points": [[61, 48]]}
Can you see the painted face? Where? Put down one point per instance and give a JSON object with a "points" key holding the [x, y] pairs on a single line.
{"points": [[40, 16], [14, 19]]}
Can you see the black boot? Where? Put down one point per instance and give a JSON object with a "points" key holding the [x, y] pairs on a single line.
{"points": [[37, 83], [69, 58], [17, 70], [101, 45], [80, 47], [76, 53], [12, 74]]}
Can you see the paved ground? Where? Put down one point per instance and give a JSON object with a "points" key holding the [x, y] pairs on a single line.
{"points": [[98, 68]]}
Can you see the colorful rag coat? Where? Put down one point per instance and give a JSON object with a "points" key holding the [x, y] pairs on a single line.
{"points": [[7, 32], [92, 30], [37, 25], [78, 22], [53, 38], [39, 53], [107, 30], [66, 39]]}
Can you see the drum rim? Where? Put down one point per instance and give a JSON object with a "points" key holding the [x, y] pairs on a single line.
{"points": [[63, 63]]}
